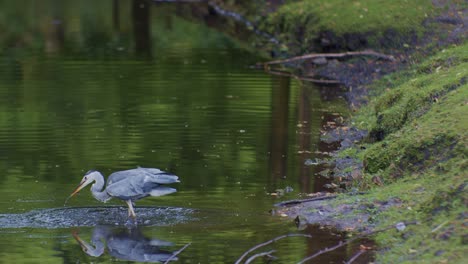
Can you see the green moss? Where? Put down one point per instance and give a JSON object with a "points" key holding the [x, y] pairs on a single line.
{"points": [[421, 158], [348, 152], [420, 120], [433, 201], [304, 19]]}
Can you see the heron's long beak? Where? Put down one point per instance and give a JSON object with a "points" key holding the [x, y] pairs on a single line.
{"points": [[77, 190], [82, 184]]}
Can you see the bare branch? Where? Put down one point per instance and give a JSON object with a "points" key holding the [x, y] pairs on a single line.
{"points": [[267, 243], [177, 253], [334, 55], [252, 258]]}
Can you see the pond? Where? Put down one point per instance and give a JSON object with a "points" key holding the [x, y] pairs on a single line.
{"points": [[113, 85]]}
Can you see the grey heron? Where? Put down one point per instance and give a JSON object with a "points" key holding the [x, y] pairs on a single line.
{"points": [[128, 185]]}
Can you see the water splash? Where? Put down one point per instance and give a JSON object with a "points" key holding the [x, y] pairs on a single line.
{"points": [[66, 200], [92, 216]]}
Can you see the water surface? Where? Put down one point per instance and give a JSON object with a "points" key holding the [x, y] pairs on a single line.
{"points": [[112, 85]]}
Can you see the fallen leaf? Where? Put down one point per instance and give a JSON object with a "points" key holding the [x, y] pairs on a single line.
{"points": [[363, 247]]}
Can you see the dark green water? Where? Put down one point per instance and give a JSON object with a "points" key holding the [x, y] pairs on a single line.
{"points": [[96, 85]]}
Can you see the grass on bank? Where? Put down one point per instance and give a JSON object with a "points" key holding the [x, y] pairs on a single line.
{"points": [[421, 121], [304, 20]]}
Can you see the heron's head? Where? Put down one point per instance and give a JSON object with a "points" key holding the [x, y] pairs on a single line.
{"points": [[88, 178]]}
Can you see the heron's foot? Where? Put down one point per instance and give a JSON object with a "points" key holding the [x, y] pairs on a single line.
{"points": [[131, 222], [131, 214]]}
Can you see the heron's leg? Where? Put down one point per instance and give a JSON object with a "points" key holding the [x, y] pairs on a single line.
{"points": [[131, 212]]}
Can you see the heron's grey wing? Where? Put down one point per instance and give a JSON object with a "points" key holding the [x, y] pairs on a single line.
{"points": [[158, 176], [119, 176], [139, 186], [128, 188], [162, 176]]}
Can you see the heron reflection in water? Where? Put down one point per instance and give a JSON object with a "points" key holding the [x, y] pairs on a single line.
{"points": [[125, 244], [128, 185]]}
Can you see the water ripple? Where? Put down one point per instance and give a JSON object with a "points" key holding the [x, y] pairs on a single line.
{"points": [[92, 216]]}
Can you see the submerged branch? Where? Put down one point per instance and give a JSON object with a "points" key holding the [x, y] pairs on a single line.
{"points": [[267, 243], [308, 79], [343, 243], [334, 55], [355, 256], [177, 253], [252, 258], [292, 202]]}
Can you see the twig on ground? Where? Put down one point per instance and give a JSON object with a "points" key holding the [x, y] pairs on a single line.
{"points": [[177, 253], [267, 243], [252, 258], [355, 256], [439, 226], [333, 55]]}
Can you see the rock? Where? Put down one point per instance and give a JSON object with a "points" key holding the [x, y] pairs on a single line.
{"points": [[320, 61], [400, 226], [310, 162]]}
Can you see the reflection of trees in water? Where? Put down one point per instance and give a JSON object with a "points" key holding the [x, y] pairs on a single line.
{"points": [[304, 112], [279, 128], [103, 27], [312, 115], [116, 15], [141, 27], [67, 114]]}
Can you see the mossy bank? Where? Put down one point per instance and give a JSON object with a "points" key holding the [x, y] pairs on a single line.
{"points": [[414, 164], [420, 126], [337, 25], [414, 157]]}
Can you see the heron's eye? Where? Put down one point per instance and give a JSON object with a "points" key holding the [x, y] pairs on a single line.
{"points": [[85, 178]]}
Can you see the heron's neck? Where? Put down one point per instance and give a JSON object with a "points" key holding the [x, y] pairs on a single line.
{"points": [[97, 189]]}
